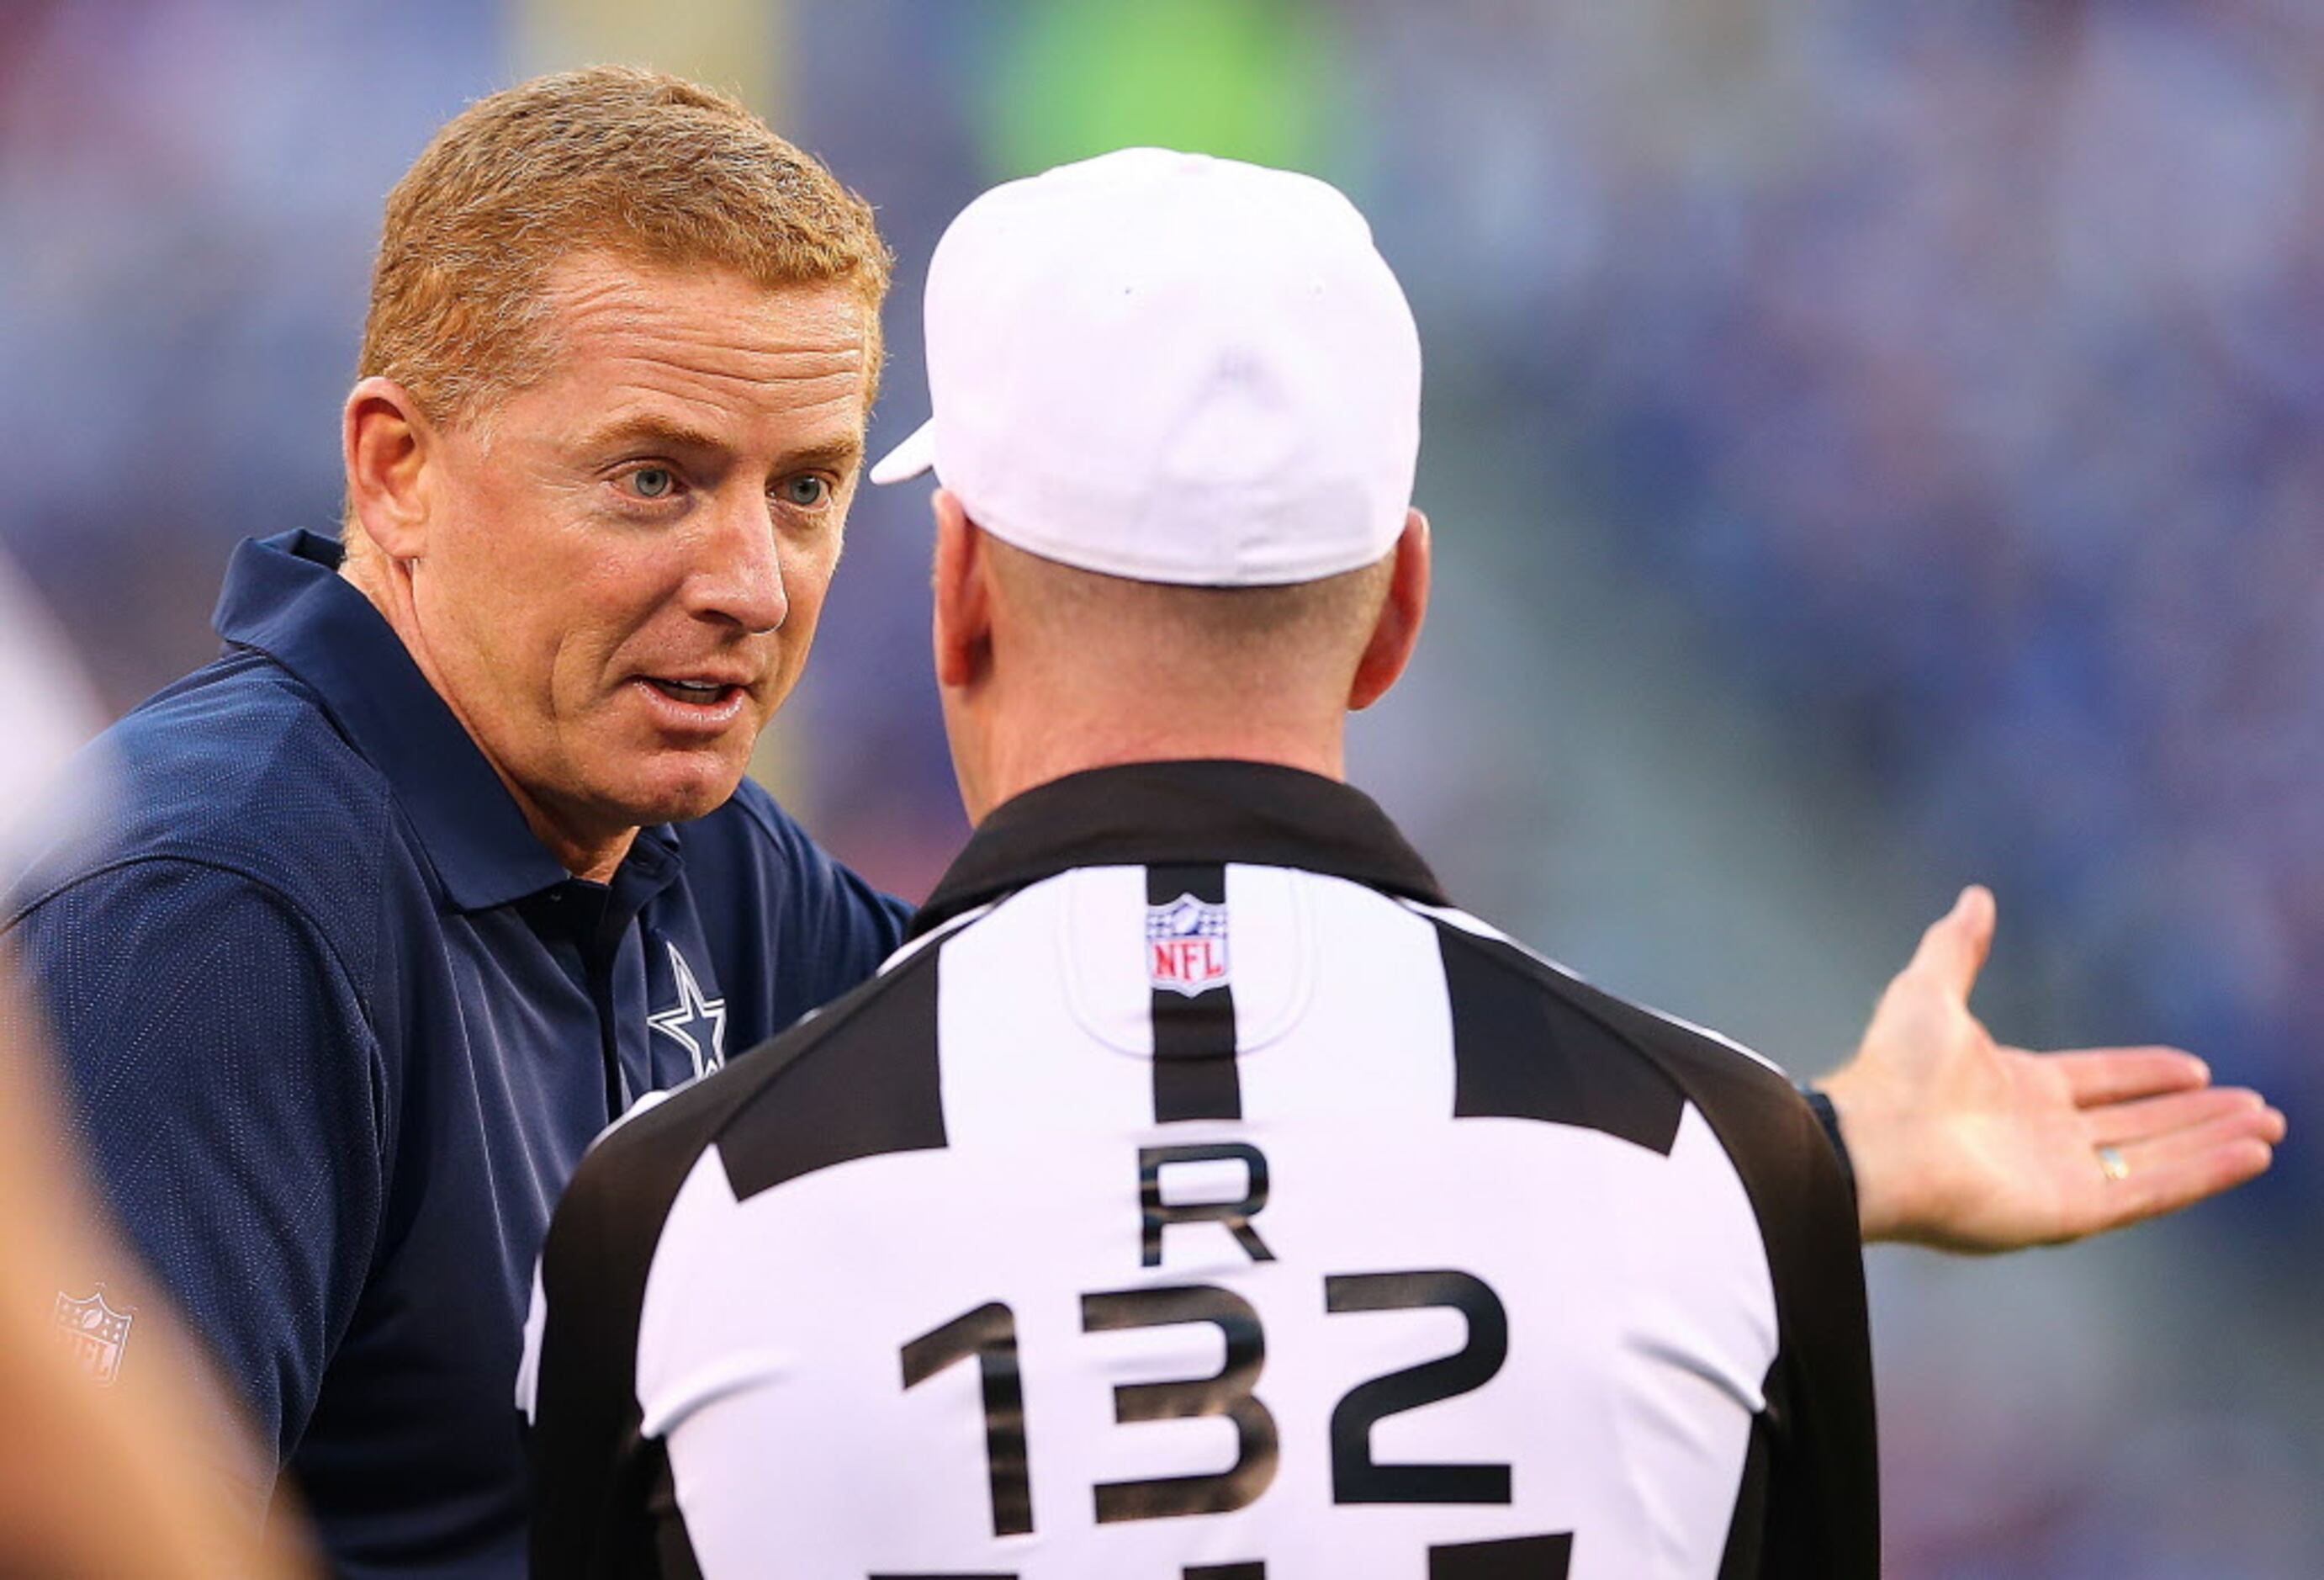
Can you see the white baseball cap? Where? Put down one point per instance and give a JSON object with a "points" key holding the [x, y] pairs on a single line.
{"points": [[1172, 368]]}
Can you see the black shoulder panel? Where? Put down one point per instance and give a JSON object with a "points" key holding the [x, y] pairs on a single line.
{"points": [[856, 1081], [1524, 1048]]}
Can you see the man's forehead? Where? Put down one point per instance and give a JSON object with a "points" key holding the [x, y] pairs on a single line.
{"points": [[653, 334], [578, 278]]}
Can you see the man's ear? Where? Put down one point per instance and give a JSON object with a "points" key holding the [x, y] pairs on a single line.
{"points": [[1398, 629], [387, 442], [963, 604]]}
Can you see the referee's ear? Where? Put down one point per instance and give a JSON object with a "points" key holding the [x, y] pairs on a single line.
{"points": [[963, 632], [1397, 630]]}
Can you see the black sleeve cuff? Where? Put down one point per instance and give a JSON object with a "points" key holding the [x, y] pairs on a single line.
{"points": [[1829, 1117]]}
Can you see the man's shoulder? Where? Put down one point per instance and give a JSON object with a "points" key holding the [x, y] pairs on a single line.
{"points": [[768, 893], [1590, 1056], [1699, 1061], [236, 768], [1549, 1036]]}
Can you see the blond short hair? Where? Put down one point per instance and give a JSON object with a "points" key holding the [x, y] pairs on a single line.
{"points": [[611, 160]]}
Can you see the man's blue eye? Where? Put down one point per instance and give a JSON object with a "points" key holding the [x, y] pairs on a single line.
{"points": [[652, 482], [808, 492]]}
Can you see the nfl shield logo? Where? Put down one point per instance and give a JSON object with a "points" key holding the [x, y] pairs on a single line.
{"points": [[1186, 946], [94, 1332]]}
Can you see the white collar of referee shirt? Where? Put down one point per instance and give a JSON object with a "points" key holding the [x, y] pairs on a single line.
{"points": [[1139, 813]]}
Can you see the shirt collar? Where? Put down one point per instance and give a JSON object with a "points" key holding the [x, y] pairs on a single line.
{"points": [[284, 597], [1144, 813]]}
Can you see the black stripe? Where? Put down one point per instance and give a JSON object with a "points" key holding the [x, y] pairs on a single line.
{"points": [[1225, 1572], [861, 1081], [1524, 1048], [673, 1543], [1747, 1531], [1516, 1557], [1195, 1074]]}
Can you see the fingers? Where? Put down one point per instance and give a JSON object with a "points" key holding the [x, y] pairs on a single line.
{"points": [[1953, 950], [2099, 1076], [2180, 1146], [2165, 1183], [2251, 1121], [2123, 1124]]}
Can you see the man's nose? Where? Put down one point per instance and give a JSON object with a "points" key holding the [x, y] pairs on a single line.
{"points": [[740, 578]]}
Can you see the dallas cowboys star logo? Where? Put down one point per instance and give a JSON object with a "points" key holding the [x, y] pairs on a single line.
{"points": [[684, 1025]]}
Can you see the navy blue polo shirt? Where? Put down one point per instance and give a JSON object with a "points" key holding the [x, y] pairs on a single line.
{"points": [[338, 1027]]}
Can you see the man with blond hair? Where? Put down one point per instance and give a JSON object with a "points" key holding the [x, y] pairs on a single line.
{"points": [[449, 858], [444, 861]]}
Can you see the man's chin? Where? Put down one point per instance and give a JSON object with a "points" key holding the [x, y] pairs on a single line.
{"points": [[684, 798]]}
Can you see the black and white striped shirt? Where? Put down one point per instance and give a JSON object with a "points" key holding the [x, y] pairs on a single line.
{"points": [[1198, 1196]]}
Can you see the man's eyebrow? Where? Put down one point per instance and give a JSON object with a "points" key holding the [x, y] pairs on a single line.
{"points": [[666, 432], [837, 455], [840, 454]]}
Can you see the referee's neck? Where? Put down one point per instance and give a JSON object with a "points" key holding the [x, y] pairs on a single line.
{"points": [[1037, 763]]}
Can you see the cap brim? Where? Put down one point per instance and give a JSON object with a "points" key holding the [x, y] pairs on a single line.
{"points": [[909, 460]]}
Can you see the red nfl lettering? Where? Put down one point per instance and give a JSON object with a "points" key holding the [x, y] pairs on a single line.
{"points": [[1188, 961]]}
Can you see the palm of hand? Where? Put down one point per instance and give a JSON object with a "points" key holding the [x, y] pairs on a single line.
{"points": [[1963, 1144]]}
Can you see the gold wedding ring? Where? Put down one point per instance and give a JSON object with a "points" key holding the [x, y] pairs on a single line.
{"points": [[2111, 1164]]}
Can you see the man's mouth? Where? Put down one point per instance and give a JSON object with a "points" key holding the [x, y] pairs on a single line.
{"points": [[702, 692]]}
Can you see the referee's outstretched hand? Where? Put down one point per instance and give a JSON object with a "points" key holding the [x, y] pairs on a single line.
{"points": [[1962, 1144]]}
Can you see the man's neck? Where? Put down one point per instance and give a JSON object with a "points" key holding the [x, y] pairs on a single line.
{"points": [[593, 859]]}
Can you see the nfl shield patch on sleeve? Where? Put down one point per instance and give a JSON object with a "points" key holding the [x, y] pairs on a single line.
{"points": [[94, 1332]]}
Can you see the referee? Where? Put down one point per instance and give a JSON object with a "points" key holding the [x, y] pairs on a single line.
{"points": [[1199, 1195]]}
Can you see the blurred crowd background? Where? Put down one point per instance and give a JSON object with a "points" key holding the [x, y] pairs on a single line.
{"points": [[1871, 447]]}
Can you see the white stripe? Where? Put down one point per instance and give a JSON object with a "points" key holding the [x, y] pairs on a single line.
{"points": [[1044, 1013], [1374, 1031]]}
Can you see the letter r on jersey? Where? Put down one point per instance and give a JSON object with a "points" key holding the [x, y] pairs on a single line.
{"points": [[1235, 1214]]}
